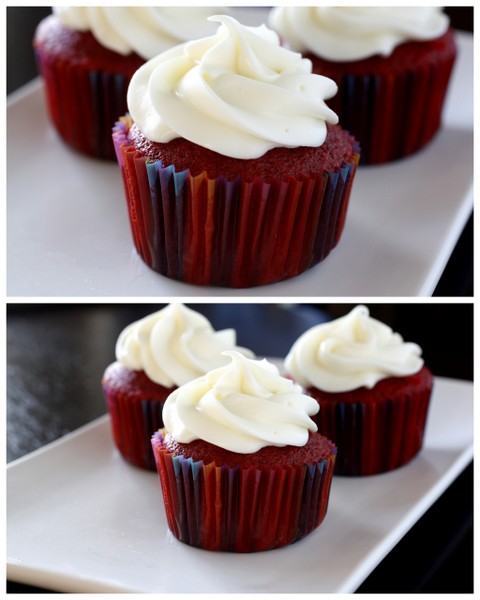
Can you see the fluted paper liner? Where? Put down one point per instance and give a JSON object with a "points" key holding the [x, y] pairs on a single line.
{"points": [[238, 509], [83, 104], [375, 436], [395, 113], [230, 233], [133, 422]]}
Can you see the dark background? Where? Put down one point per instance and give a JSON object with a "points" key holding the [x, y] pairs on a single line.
{"points": [[457, 279], [56, 355]]}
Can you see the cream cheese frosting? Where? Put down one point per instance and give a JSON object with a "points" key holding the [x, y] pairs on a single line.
{"points": [[175, 345], [351, 352], [238, 93], [241, 407], [144, 30], [341, 33]]}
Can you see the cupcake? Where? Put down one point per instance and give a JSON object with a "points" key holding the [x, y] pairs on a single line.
{"points": [[241, 464], [153, 357], [235, 171], [87, 55], [392, 66], [372, 387]]}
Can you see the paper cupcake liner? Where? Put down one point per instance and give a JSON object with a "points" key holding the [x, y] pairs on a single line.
{"points": [[230, 233], [83, 104], [395, 114], [376, 436], [133, 422], [241, 509]]}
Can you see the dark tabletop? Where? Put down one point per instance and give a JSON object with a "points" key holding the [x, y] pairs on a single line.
{"points": [[56, 355]]}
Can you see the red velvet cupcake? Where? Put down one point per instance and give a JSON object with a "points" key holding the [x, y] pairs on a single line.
{"points": [[392, 67], [233, 179], [372, 388], [154, 356], [377, 429], [246, 472], [87, 56], [135, 405]]}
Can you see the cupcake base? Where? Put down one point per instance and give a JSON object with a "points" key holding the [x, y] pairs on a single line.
{"points": [[135, 404], [393, 105], [376, 430], [209, 230], [242, 508], [85, 85]]}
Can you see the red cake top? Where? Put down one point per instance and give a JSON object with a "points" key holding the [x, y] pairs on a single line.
{"points": [[388, 387], [316, 449], [79, 47], [403, 57], [278, 163], [133, 383]]}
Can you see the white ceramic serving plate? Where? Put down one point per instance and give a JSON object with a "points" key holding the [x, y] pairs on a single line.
{"points": [[80, 519], [68, 230]]}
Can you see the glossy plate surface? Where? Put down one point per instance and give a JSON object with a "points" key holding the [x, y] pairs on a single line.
{"points": [[82, 520], [69, 235]]}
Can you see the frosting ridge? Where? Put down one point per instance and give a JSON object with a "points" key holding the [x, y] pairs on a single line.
{"points": [[340, 33], [144, 30], [238, 93], [351, 352], [241, 407], [174, 345]]}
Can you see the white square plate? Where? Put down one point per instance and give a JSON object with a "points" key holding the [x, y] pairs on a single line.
{"points": [[80, 519], [69, 235]]}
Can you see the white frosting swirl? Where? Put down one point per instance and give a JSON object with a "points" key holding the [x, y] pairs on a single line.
{"points": [[351, 352], [174, 345], [144, 30], [241, 407], [237, 92], [341, 33]]}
